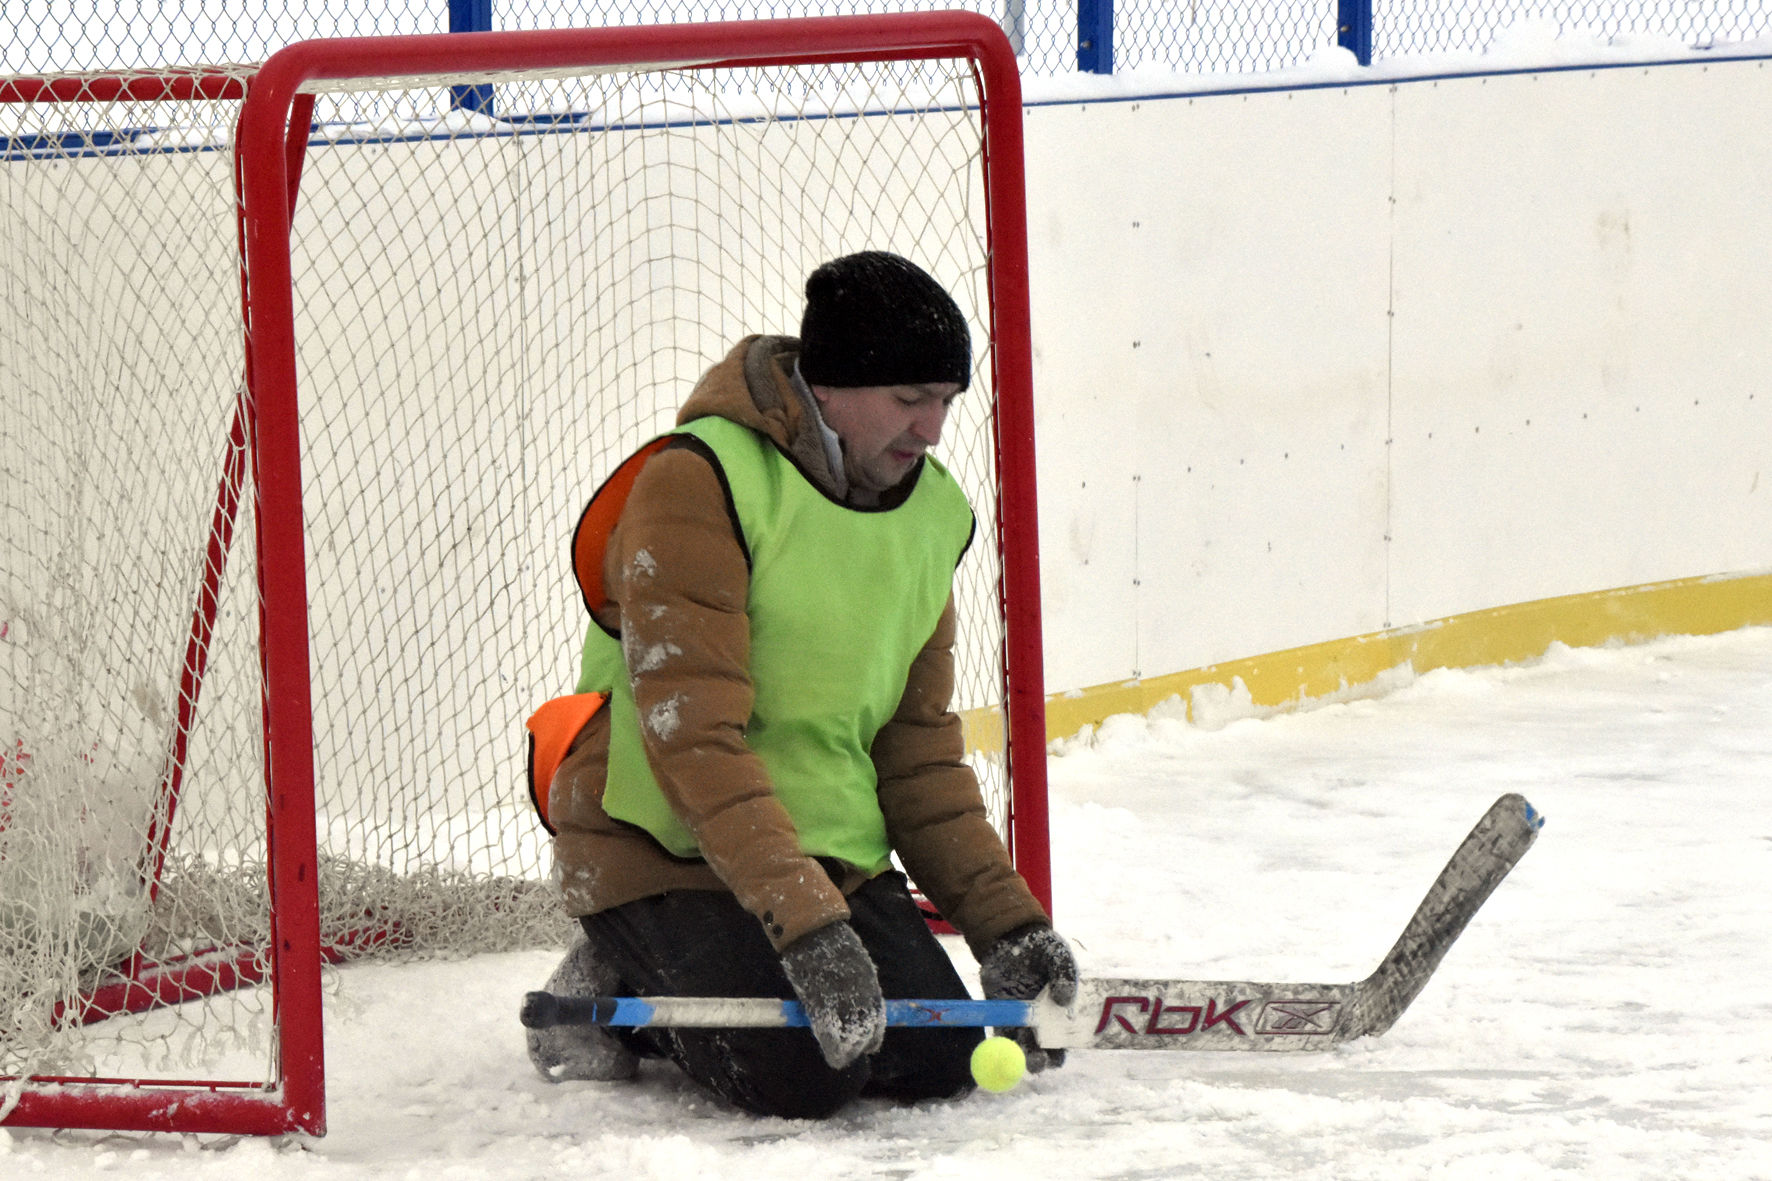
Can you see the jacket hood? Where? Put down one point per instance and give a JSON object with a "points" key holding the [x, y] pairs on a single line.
{"points": [[753, 386]]}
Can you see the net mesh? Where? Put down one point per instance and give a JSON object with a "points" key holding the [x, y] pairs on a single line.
{"points": [[490, 313]]}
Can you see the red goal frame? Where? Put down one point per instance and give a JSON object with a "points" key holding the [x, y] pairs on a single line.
{"points": [[271, 139]]}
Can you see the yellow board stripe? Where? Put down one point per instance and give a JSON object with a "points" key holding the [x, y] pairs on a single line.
{"points": [[1498, 635]]}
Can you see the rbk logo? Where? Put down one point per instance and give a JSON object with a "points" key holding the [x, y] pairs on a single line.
{"points": [[1152, 1016], [1160, 1019]]}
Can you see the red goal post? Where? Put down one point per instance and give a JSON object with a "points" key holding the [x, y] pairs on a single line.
{"points": [[310, 428]]}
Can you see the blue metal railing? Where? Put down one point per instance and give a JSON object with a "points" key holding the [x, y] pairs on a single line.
{"points": [[471, 16], [1353, 28], [1095, 36]]}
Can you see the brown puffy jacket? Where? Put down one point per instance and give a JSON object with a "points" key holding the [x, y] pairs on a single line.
{"points": [[677, 517]]}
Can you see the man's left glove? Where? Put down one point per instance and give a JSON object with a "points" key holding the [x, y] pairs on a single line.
{"points": [[1017, 967]]}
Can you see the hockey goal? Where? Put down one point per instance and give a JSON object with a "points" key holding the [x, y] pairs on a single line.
{"points": [[300, 395]]}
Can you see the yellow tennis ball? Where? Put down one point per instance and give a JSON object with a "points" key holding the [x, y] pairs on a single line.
{"points": [[998, 1064]]}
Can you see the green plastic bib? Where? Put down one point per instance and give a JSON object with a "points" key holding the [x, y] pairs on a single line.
{"points": [[841, 601]]}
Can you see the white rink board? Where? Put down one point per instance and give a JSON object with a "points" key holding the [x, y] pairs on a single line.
{"points": [[1242, 450], [1209, 375], [1586, 402]]}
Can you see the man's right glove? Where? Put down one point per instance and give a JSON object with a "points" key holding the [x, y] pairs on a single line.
{"points": [[1017, 967], [835, 979]]}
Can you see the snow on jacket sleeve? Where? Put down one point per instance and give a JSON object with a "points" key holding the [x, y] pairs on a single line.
{"points": [[935, 813], [676, 570]]}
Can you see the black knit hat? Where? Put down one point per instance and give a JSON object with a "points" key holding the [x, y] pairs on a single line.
{"points": [[878, 319]]}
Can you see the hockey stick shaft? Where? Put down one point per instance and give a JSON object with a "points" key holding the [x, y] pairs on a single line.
{"points": [[542, 1009], [1150, 1014]]}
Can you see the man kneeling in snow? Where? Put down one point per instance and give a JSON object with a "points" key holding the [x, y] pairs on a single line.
{"points": [[770, 664]]}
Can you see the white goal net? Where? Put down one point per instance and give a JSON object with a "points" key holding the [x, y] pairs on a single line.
{"points": [[490, 311]]}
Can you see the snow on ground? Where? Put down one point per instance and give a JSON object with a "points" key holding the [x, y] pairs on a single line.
{"points": [[1605, 1016]]}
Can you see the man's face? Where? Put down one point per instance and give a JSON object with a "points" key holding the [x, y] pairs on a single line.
{"points": [[885, 428]]}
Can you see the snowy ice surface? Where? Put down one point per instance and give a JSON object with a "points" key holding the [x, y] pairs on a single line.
{"points": [[1605, 1016]]}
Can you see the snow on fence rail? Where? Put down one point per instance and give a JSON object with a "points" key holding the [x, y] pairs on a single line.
{"points": [[1052, 37]]}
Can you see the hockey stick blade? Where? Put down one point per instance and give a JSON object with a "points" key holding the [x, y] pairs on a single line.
{"points": [[1245, 1015], [1137, 1014], [1491, 850]]}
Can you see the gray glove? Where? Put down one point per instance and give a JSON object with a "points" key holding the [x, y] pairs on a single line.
{"points": [[1021, 964], [835, 980]]}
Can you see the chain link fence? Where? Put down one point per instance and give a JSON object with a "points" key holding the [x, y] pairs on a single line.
{"points": [[1411, 27], [1216, 36], [1051, 36], [69, 36]]}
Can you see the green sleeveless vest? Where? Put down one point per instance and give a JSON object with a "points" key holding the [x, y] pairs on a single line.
{"points": [[841, 601]]}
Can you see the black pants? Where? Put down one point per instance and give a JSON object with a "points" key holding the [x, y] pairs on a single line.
{"points": [[702, 943]]}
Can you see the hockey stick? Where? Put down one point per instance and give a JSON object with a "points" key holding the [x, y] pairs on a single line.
{"points": [[1159, 1014]]}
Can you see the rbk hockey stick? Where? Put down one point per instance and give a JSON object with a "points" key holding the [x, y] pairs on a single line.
{"points": [[1159, 1014]]}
